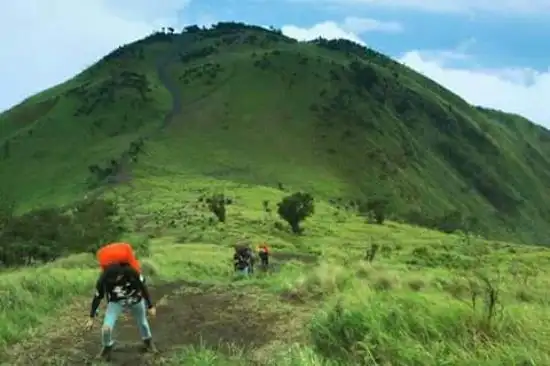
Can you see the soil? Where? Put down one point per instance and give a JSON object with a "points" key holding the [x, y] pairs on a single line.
{"points": [[188, 313]]}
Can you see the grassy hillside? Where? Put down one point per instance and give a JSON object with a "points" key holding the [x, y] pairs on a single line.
{"points": [[425, 299], [248, 105]]}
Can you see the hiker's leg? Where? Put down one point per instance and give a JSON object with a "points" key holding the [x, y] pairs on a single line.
{"points": [[112, 313], [140, 315]]}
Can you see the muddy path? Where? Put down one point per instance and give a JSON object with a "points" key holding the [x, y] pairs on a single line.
{"points": [[188, 314]]}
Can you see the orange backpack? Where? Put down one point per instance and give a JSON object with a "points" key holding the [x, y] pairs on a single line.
{"points": [[117, 253], [264, 248]]}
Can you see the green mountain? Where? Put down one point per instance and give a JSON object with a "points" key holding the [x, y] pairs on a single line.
{"points": [[246, 104]]}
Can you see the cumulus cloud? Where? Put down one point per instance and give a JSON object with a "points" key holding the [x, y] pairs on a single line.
{"points": [[46, 42], [362, 25], [512, 7], [350, 28], [516, 90], [328, 30]]}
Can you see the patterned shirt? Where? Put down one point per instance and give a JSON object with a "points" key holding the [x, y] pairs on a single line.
{"points": [[127, 288]]}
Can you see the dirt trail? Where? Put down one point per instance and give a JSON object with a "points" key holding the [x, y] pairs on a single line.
{"points": [[188, 314]]}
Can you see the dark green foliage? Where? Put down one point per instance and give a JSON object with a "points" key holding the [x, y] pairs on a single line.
{"points": [[46, 234], [7, 210], [96, 222], [449, 222], [296, 208], [110, 91], [377, 208], [192, 55], [373, 125], [115, 171], [371, 252], [6, 150], [266, 207], [217, 205]]}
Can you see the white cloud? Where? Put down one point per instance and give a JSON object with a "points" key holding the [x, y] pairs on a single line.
{"points": [[515, 90], [350, 28], [46, 42], [522, 91], [328, 30], [361, 25], [512, 7]]}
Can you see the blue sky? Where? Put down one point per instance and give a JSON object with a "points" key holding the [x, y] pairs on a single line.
{"points": [[492, 53]]}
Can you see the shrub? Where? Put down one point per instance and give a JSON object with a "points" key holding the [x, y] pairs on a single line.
{"points": [[382, 328], [217, 205], [46, 234], [377, 208], [296, 208]]}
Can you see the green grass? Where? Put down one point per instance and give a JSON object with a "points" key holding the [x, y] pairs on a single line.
{"points": [[263, 109], [410, 306]]}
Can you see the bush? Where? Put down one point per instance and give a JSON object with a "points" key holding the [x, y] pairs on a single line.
{"points": [[415, 328], [296, 208], [217, 205], [377, 208], [46, 234]]}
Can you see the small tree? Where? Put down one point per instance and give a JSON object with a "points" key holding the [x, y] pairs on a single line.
{"points": [[296, 208], [216, 204], [377, 208]]}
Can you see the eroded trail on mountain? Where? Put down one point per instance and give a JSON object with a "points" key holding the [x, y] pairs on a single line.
{"points": [[189, 313]]}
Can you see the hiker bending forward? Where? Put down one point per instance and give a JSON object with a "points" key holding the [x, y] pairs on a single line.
{"points": [[243, 260], [125, 289]]}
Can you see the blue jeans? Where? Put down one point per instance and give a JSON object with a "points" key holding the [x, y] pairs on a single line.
{"points": [[114, 309], [244, 272]]}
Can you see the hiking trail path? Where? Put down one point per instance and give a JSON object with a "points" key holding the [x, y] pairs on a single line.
{"points": [[188, 314]]}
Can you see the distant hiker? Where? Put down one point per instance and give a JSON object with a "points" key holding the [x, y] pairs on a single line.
{"points": [[125, 289], [243, 259], [263, 253]]}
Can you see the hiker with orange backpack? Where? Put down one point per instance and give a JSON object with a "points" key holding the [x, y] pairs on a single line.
{"points": [[263, 253], [124, 286], [243, 259]]}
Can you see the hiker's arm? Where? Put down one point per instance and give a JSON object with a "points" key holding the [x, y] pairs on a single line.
{"points": [[235, 260], [98, 296], [143, 288]]}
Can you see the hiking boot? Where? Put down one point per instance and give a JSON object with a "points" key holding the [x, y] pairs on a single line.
{"points": [[106, 353], [149, 346]]}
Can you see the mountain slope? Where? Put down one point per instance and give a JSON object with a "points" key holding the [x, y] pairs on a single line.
{"points": [[242, 103]]}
